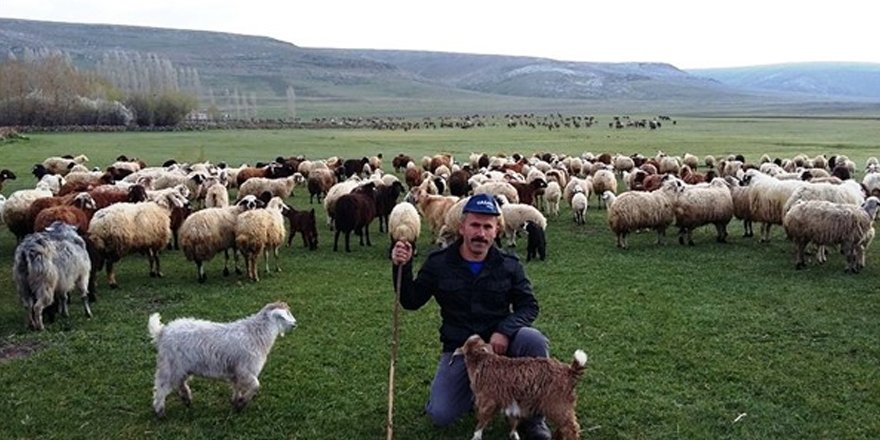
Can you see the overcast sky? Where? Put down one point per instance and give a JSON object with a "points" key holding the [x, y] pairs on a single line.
{"points": [[687, 34]]}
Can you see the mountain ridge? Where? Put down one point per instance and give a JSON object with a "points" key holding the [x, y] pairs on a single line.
{"points": [[377, 80]]}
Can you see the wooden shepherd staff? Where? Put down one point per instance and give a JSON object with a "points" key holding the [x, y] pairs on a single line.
{"points": [[394, 342]]}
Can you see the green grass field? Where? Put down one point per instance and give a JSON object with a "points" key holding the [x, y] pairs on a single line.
{"points": [[705, 342]]}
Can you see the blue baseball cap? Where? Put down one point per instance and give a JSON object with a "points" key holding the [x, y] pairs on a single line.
{"points": [[482, 204]]}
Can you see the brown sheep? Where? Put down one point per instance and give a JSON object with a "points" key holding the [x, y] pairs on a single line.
{"points": [[319, 183], [400, 161], [76, 212], [522, 388]]}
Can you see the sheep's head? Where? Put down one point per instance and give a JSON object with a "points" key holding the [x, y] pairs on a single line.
{"points": [[7, 175], [249, 202], [279, 314], [474, 347], [84, 201], [871, 205]]}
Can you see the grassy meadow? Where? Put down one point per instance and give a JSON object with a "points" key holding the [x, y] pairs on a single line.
{"points": [[707, 342]]}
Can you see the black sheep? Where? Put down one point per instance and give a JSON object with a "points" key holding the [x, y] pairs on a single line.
{"points": [[537, 246]]}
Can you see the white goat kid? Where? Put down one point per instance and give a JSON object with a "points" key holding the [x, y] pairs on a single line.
{"points": [[235, 351]]}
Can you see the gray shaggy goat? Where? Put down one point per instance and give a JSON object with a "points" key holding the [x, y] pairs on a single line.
{"points": [[48, 265], [522, 388], [235, 351]]}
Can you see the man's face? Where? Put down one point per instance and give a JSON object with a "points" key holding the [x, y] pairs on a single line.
{"points": [[478, 232]]}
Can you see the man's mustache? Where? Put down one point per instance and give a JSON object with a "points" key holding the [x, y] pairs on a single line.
{"points": [[480, 240]]}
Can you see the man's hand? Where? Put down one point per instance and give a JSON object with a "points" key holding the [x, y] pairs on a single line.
{"points": [[499, 343], [401, 253]]}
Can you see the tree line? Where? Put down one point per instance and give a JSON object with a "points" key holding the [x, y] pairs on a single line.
{"points": [[45, 88]]}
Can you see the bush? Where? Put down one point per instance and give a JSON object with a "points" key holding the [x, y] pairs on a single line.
{"points": [[166, 109]]}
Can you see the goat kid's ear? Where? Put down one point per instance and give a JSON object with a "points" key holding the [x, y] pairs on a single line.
{"points": [[458, 352]]}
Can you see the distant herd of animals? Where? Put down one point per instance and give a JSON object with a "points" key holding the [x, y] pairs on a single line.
{"points": [[129, 207]]}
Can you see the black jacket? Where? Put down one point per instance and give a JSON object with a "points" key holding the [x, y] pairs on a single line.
{"points": [[498, 299]]}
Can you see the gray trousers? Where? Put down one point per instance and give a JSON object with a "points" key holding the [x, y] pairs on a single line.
{"points": [[451, 395]]}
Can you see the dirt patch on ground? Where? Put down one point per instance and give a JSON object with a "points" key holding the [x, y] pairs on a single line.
{"points": [[10, 351]]}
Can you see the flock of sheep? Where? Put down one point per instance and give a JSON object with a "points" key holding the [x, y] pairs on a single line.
{"points": [[129, 207]]}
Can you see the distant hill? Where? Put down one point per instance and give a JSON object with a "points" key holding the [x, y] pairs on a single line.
{"points": [[834, 80], [377, 82]]}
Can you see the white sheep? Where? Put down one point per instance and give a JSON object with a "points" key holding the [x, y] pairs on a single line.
{"points": [[603, 180], [515, 217], [49, 265], [522, 388], [62, 165], [635, 210], [767, 197], [497, 188], [404, 224], [552, 195], [741, 205], [586, 184], [216, 194], [259, 230], [235, 351], [826, 223], [579, 204], [17, 208], [211, 230], [123, 228], [282, 187], [698, 205]]}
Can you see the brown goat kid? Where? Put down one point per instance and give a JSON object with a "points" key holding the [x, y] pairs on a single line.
{"points": [[522, 388]]}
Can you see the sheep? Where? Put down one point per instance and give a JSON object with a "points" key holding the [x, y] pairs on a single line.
{"points": [[433, 208], [579, 204], [278, 187], [386, 199], [123, 228], [528, 193], [848, 192], [552, 195], [871, 182], [767, 197], [304, 223], [741, 207], [585, 184], [216, 194], [404, 224], [537, 244], [826, 223], [16, 210], [515, 217], [259, 230], [48, 265], [211, 230], [635, 210], [623, 163], [697, 205], [319, 183], [522, 388], [336, 191], [235, 351], [458, 183], [498, 189], [356, 210], [603, 180], [77, 212], [62, 165], [6, 175], [399, 162]]}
